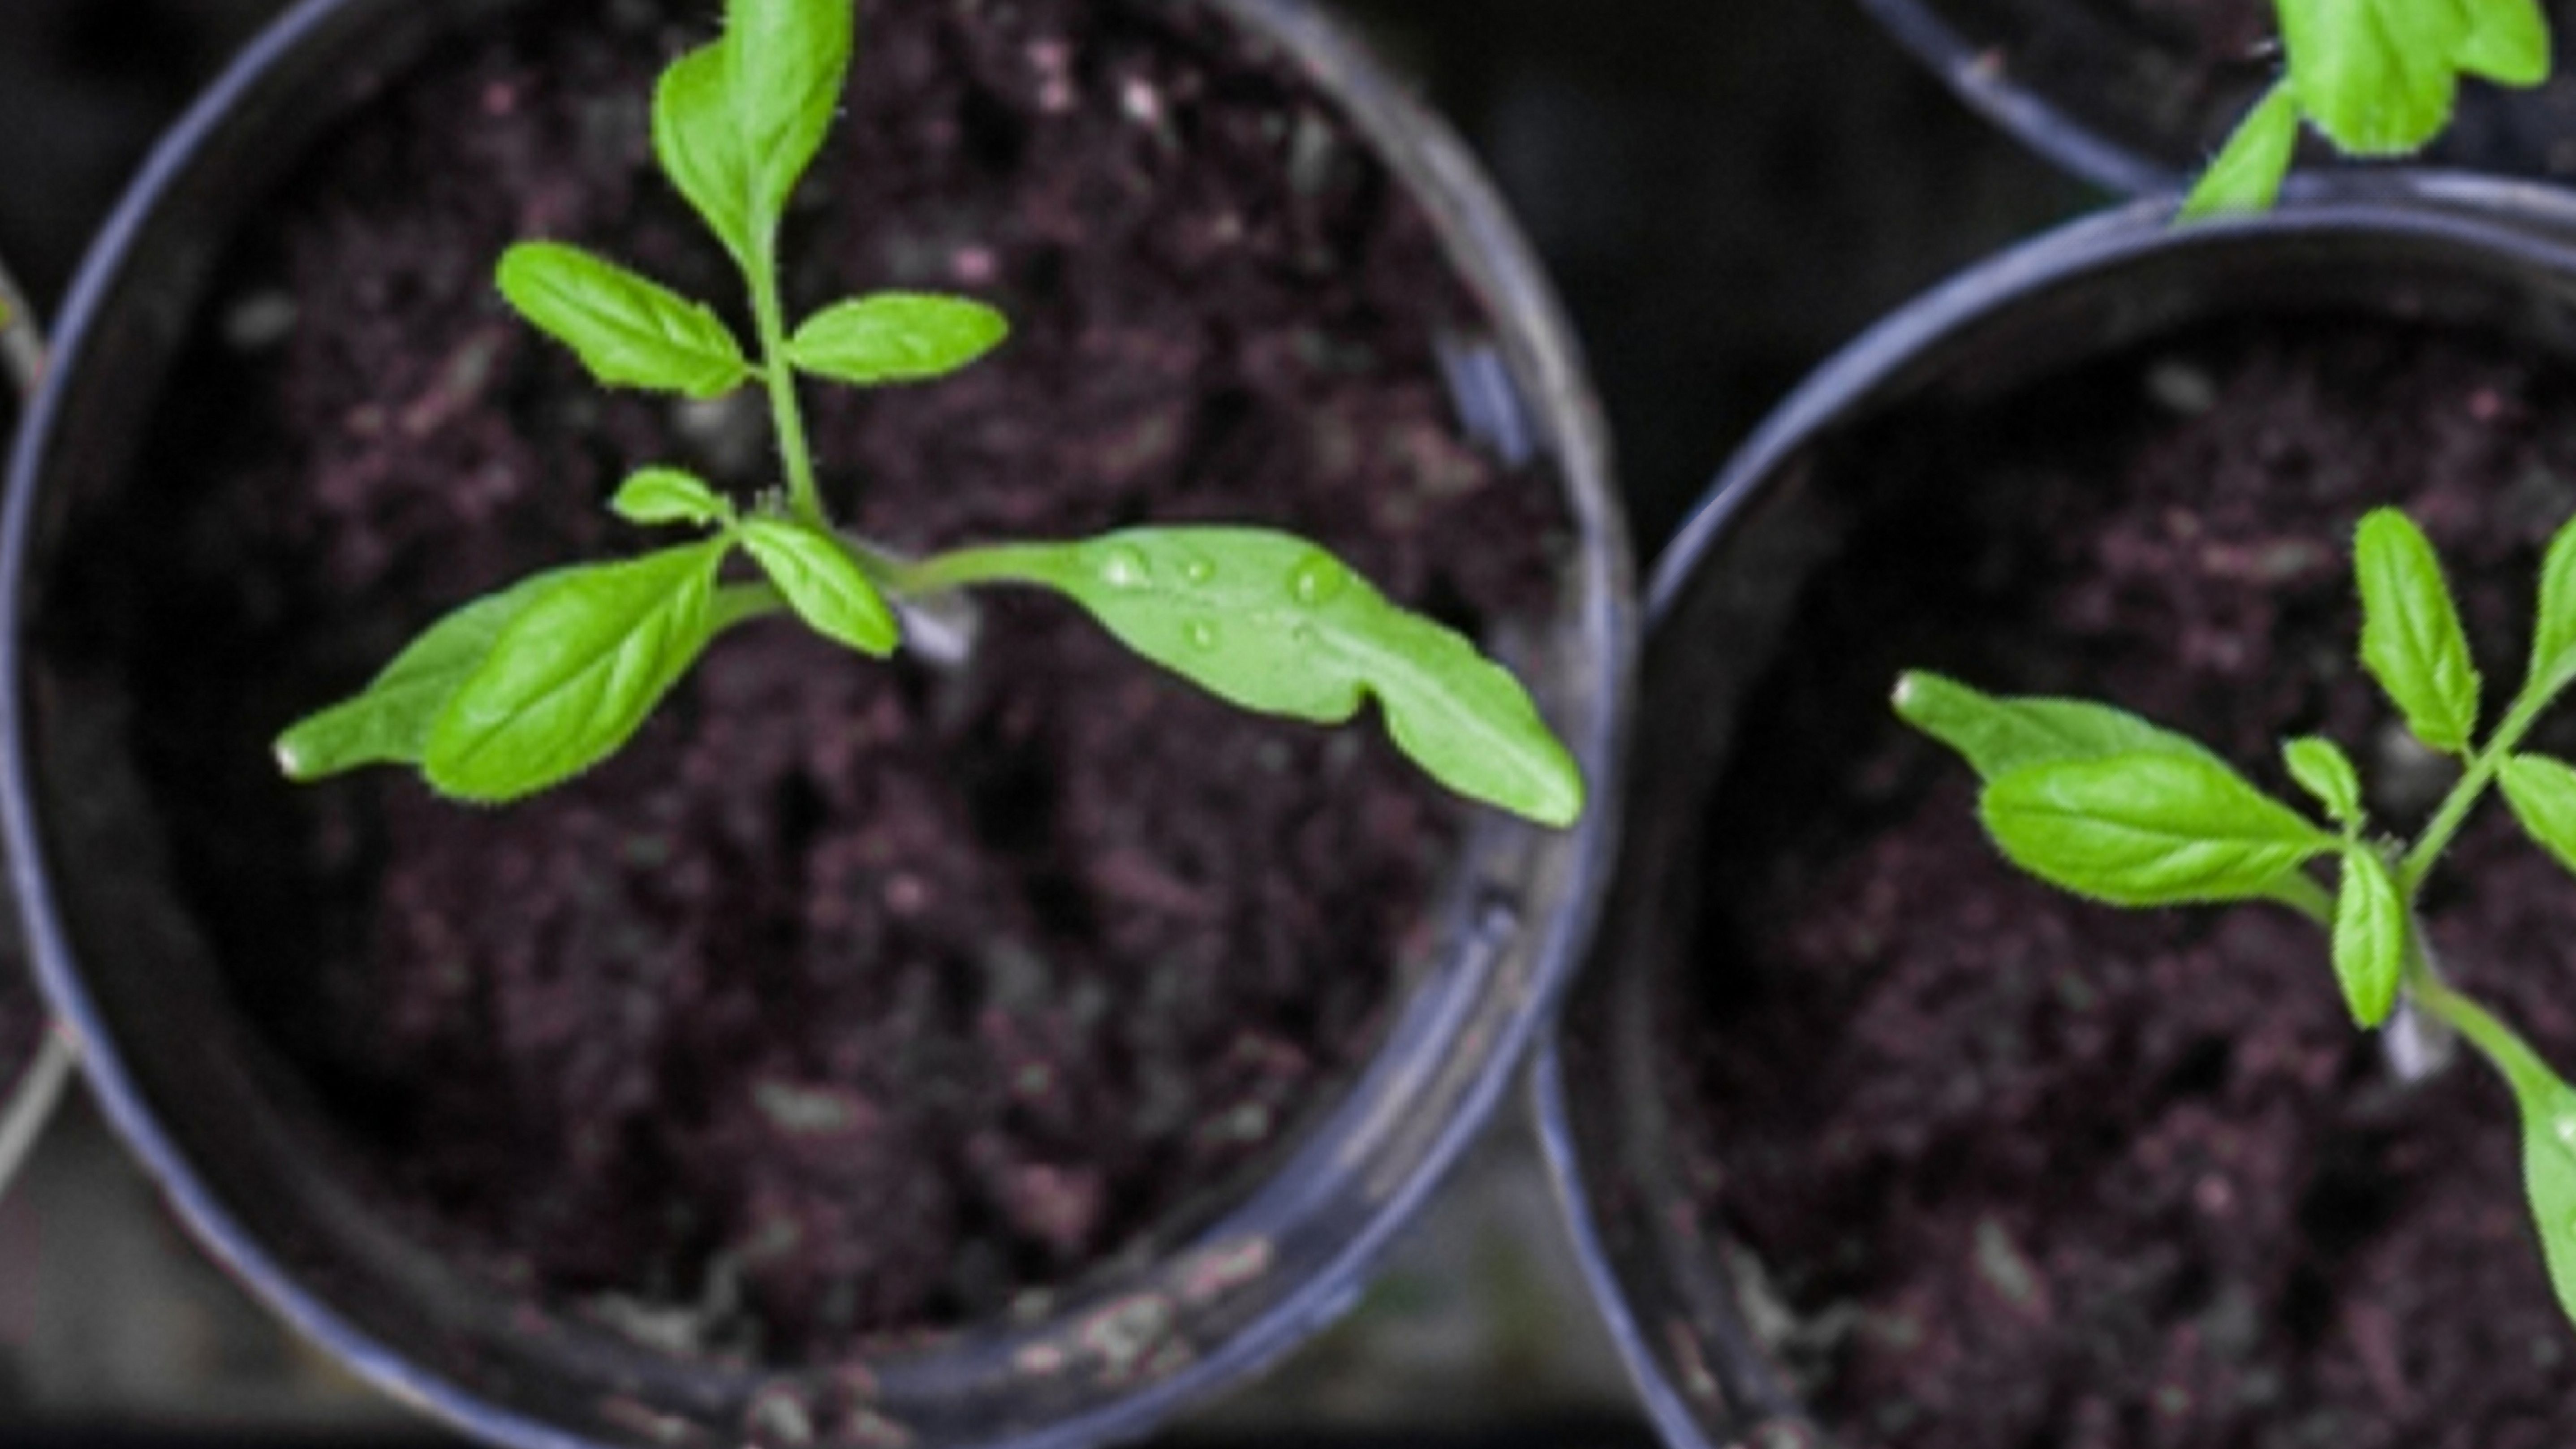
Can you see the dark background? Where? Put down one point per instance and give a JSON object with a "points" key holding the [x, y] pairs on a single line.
{"points": [[1724, 191]]}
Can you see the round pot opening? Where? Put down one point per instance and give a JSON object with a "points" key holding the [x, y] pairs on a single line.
{"points": [[216, 934], [1857, 1157]]}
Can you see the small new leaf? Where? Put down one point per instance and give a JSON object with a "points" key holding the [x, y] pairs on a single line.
{"points": [[2369, 936], [668, 495], [823, 584], [2376, 76], [736, 123], [629, 331], [2507, 42], [2147, 829], [2542, 794], [1996, 734], [2411, 639], [572, 676], [1272, 623], [789, 59], [2553, 634], [2246, 176], [895, 337], [2325, 771], [700, 148], [389, 723]]}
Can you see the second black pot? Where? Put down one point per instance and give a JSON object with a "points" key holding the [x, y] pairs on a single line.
{"points": [[1717, 1355]]}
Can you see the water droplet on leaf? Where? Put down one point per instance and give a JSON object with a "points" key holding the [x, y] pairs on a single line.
{"points": [[1121, 567], [1197, 570], [1202, 633], [1317, 579]]}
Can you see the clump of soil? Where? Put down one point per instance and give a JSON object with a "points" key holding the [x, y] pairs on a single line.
{"points": [[850, 1000], [2033, 1171]]}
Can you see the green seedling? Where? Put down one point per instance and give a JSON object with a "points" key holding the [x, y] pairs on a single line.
{"points": [[527, 687], [2108, 806], [2374, 77]]}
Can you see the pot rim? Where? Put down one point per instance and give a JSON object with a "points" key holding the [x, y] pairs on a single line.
{"points": [[28, 1103], [1486, 249], [1970, 71], [2511, 219]]}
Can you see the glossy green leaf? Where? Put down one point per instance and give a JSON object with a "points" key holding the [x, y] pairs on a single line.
{"points": [[629, 331], [2547, 1107], [668, 495], [2147, 829], [2369, 936], [1272, 623], [2325, 771], [389, 723], [2374, 75], [2411, 639], [823, 584], [2246, 174], [699, 144], [736, 123], [573, 675], [895, 337], [2507, 42], [1998, 733], [789, 61], [2542, 794], [2553, 634]]}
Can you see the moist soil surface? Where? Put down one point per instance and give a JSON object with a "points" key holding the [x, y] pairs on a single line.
{"points": [[2030, 1171], [852, 999]]}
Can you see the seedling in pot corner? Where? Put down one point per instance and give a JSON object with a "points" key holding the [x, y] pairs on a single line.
{"points": [[2375, 78], [528, 687], [2102, 803]]}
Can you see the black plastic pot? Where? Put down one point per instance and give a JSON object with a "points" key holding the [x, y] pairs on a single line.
{"points": [[33, 1078], [2128, 100], [229, 1135], [2494, 255]]}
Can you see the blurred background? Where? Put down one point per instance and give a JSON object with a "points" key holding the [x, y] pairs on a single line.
{"points": [[1724, 192]]}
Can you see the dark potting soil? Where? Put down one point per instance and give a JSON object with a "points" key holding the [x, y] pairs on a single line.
{"points": [[2028, 1171], [850, 1000]]}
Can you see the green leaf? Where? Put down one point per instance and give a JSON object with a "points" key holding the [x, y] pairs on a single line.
{"points": [[1272, 623], [895, 337], [574, 674], [696, 139], [2247, 172], [2325, 771], [2507, 42], [1997, 734], [630, 332], [2549, 1178], [389, 723], [2374, 75], [823, 584], [2547, 1106], [2369, 937], [2542, 794], [668, 495], [2411, 638], [2553, 638], [736, 123], [789, 60], [2147, 829]]}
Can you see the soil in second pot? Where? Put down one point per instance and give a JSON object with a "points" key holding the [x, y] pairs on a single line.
{"points": [[2022, 1170], [851, 1000]]}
